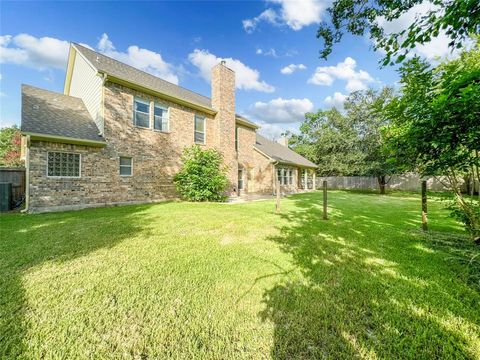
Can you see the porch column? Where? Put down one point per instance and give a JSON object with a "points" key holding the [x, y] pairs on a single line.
{"points": [[314, 183]]}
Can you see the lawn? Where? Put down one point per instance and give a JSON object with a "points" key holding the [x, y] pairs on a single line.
{"points": [[188, 280]]}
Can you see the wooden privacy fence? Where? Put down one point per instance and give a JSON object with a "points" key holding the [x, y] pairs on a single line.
{"points": [[407, 182], [15, 176]]}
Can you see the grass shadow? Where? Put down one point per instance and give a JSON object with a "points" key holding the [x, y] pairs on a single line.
{"points": [[28, 241], [370, 287]]}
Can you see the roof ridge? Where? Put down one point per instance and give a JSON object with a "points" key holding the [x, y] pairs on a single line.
{"points": [[145, 72]]}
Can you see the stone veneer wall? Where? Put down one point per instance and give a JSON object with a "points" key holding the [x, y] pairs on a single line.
{"points": [[156, 158]]}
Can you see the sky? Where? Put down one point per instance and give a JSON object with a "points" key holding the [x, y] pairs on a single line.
{"points": [[271, 45]]}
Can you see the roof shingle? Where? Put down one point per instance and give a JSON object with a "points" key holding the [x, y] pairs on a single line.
{"points": [[281, 153], [49, 113]]}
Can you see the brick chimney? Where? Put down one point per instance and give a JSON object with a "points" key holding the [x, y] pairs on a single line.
{"points": [[223, 101]]}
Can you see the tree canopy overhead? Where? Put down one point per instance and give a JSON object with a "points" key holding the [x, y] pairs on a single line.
{"points": [[457, 19]]}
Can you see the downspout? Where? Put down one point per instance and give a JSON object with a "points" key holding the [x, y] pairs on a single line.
{"points": [[104, 80], [27, 175]]}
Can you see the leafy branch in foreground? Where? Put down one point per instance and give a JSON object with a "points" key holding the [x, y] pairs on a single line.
{"points": [[457, 19]]}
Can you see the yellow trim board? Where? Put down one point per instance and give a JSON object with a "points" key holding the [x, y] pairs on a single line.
{"points": [[146, 90], [64, 139]]}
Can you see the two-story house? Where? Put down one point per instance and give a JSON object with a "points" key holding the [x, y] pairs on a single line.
{"points": [[116, 134]]}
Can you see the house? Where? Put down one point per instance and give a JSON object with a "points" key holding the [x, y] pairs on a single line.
{"points": [[116, 134]]}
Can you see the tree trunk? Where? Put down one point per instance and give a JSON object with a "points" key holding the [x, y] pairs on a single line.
{"points": [[382, 183]]}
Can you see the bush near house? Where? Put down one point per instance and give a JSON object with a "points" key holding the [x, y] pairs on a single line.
{"points": [[203, 175]]}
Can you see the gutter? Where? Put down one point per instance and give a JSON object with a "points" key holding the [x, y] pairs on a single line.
{"points": [[161, 95], [63, 139]]}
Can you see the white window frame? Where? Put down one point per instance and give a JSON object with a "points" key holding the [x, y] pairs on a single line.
{"points": [[120, 166], [62, 176], [145, 102], [167, 110], [204, 129], [240, 179]]}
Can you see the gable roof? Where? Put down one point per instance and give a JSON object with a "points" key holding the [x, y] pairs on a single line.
{"points": [[281, 153], [53, 115], [130, 74]]}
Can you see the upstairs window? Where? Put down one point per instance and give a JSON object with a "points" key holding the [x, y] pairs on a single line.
{"points": [[141, 113], [126, 166], [199, 130], [62, 164], [160, 118]]}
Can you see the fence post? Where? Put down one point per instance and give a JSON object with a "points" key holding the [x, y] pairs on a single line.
{"points": [[277, 206], [424, 206], [325, 217]]}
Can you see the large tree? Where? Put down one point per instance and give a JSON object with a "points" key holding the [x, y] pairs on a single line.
{"points": [[350, 142], [436, 125], [457, 19]]}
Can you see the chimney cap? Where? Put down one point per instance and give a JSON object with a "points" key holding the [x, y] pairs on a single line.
{"points": [[223, 62]]}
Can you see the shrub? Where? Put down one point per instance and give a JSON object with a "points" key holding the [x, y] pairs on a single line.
{"points": [[203, 175]]}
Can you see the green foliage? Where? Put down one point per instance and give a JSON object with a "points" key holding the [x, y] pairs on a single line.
{"points": [[10, 141], [203, 175], [457, 18], [436, 127], [350, 143]]}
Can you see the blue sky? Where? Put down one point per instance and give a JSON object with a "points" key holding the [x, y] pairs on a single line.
{"points": [[179, 41]]}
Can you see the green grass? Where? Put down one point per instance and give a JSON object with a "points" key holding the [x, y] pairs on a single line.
{"points": [[187, 280]]}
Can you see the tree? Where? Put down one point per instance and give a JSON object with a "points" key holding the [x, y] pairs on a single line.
{"points": [[10, 142], [436, 127], [456, 18], [203, 175], [350, 143], [366, 109], [328, 139]]}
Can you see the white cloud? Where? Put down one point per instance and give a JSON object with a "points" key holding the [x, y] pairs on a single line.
{"points": [[437, 47], [269, 16], [287, 70], [270, 52], [143, 59], [294, 14], [280, 110], [335, 101], [356, 80], [246, 78], [37, 53]]}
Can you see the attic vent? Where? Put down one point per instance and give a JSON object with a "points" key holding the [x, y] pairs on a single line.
{"points": [[97, 59]]}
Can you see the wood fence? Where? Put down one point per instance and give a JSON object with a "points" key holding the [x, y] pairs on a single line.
{"points": [[406, 182], [15, 176]]}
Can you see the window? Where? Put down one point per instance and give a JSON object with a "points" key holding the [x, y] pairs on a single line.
{"points": [[160, 118], [240, 179], [279, 176], [126, 166], [141, 113], [63, 164], [290, 177], [236, 138], [285, 176], [199, 129]]}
